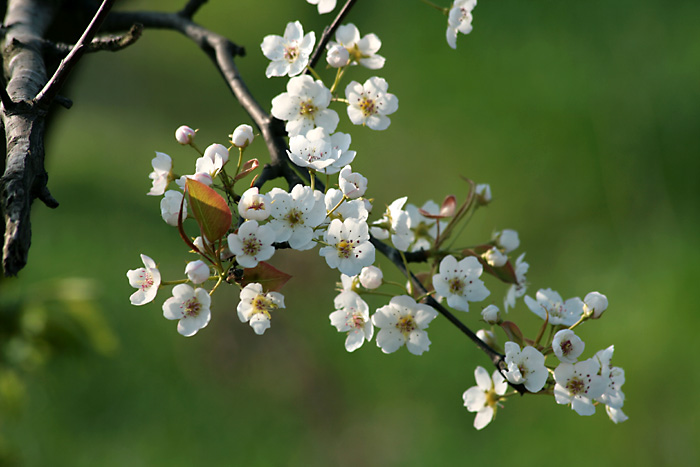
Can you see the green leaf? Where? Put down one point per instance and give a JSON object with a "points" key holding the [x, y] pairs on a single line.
{"points": [[209, 209], [270, 278]]}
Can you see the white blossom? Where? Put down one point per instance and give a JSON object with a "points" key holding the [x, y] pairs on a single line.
{"points": [[594, 304], [295, 214], [483, 398], [549, 305], [613, 378], [352, 317], [370, 103], [255, 306], [162, 172], [567, 346], [578, 384], [242, 136], [491, 314], [525, 366], [254, 206], [190, 306], [425, 230], [352, 184], [252, 243], [213, 160], [289, 53], [507, 240], [494, 257], [361, 50], [348, 248], [324, 6], [459, 20], [348, 209], [459, 282], [185, 135], [305, 106], [395, 223], [338, 56], [170, 207], [371, 277], [516, 291], [403, 322], [483, 193], [146, 280]]}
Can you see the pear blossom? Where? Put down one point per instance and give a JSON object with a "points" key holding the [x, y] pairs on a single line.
{"points": [[348, 248], [352, 184], [371, 277], [170, 207], [491, 314], [507, 240], [190, 306], [312, 150], [525, 366], [252, 243], [578, 384], [483, 398], [324, 6], [197, 271], [337, 56], [361, 50], [370, 103], [201, 177], [403, 322], [294, 215], [616, 415], [146, 280], [185, 135], [290, 53], [425, 230], [305, 106], [594, 304], [254, 206], [395, 223], [162, 173], [549, 305], [255, 306], [483, 193], [516, 291], [494, 257], [354, 208], [613, 378], [567, 346], [342, 155], [459, 283], [352, 317], [459, 20], [488, 337], [213, 160], [242, 136]]}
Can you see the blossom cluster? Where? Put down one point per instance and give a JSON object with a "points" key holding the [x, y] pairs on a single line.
{"points": [[241, 227]]}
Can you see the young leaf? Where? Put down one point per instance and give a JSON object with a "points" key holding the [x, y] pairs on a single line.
{"points": [[270, 278], [209, 209]]}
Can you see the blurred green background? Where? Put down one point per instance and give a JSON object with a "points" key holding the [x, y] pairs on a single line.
{"points": [[583, 116]]}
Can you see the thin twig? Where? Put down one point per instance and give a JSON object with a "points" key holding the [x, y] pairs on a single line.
{"points": [[328, 32], [106, 43], [54, 85]]}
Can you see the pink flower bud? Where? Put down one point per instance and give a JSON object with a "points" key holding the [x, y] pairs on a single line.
{"points": [[197, 271], [184, 135]]}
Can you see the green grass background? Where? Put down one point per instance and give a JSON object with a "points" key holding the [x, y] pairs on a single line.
{"points": [[583, 116]]}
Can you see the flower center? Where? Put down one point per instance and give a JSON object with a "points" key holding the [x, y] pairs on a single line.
{"points": [[307, 109], [295, 217], [192, 307], [262, 304], [406, 324], [146, 280], [344, 249], [257, 205], [291, 53], [456, 285], [566, 347], [251, 246], [357, 321], [368, 107], [576, 386], [492, 398]]}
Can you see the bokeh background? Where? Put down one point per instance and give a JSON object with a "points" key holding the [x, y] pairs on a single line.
{"points": [[583, 116]]}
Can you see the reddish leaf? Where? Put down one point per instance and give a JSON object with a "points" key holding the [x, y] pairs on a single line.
{"points": [[514, 333], [446, 210], [247, 168], [269, 277], [209, 209]]}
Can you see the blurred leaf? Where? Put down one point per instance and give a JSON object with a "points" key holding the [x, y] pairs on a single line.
{"points": [[269, 277]]}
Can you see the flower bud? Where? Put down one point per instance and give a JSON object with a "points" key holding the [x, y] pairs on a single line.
{"points": [[507, 239], [217, 153], [488, 337], [495, 258], [483, 194], [338, 56], [491, 314], [197, 271], [184, 135], [242, 136], [371, 277], [352, 184], [594, 304]]}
